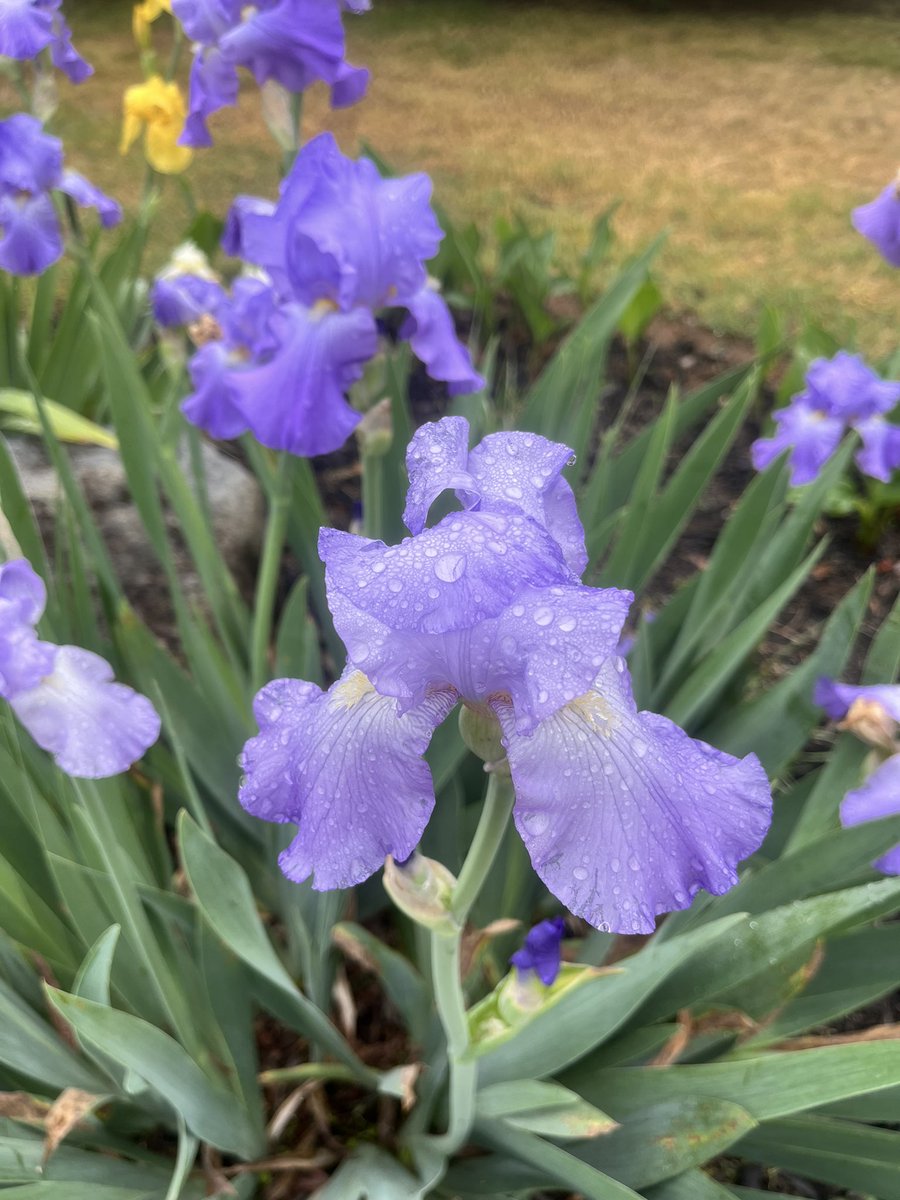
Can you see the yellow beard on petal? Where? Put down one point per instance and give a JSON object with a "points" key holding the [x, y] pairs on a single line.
{"points": [[351, 690], [594, 711]]}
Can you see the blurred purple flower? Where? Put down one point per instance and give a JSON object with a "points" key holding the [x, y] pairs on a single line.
{"points": [[31, 167], [542, 951], [29, 26], [65, 696], [877, 798], [293, 42], [340, 244], [838, 698], [485, 607], [879, 221], [841, 393]]}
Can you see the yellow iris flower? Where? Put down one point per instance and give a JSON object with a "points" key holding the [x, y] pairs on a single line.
{"points": [[143, 16], [157, 108]]}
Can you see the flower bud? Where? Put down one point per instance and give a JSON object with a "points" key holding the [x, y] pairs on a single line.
{"points": [[871, 723], [423, 889], [481, 732]]}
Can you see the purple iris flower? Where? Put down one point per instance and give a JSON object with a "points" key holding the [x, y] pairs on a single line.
{"points": [[879, 221], [65, 696], [29, 26], [878, 797], [31, 167], [838, 698], [542, 952], [624, 816], [841, 393], [293, 42], [340, 244]]}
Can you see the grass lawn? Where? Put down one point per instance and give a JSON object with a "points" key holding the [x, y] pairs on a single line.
{"points": [[748, 131]]}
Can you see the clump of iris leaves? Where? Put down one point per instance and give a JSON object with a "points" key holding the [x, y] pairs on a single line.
{"points": [[146, 935]]}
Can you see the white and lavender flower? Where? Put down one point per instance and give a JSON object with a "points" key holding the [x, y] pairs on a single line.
{"points": [[66, 697], [624, 815], [31, 169]]}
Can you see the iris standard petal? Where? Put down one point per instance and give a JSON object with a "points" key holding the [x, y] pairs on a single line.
{"points": [[213, 84], [845, 387], [524, 471], [348, 769], [878, 797], [181, 299], [26, 28], [436, 460], [93, 726], [625, 816], [30, 159], [64, 56]]}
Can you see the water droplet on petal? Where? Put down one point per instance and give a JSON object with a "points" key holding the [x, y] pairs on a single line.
{"points": [[449, 567]]}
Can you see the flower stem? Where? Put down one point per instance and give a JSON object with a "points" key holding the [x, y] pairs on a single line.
{"points": [[267, 580], [446, 948]]}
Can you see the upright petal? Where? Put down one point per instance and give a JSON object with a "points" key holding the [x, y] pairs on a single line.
{"points": [[524, 471], [432, 335], [64, 56], [349, 86], [213, 84], [348, 769], [181, 299], [91, 725], [436, 459], [244, 211], [845, 387], [626, 817], [25, 29], [30, 159], [878, 797], [541, 952], [30, 236]]}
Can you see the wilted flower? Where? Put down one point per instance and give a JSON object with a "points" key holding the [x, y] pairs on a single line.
{"points": [[156, 108], [624, 816], [293, 42], [31, 168], [879, 221], [340, 244], [840, 393], [65, 696], [542, 952], [29, 26]]}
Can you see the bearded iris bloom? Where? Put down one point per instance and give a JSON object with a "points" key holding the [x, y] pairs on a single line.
{"points": [[624, 815], [27, 27], [841, 393], [340, 244], [186, 289], [293, 42], [65, 696], [31, 169]]}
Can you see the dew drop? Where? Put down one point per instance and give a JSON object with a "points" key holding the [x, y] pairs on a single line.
{"points": [[449, 567]]}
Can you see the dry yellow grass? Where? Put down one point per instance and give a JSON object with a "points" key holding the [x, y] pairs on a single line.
{"points": [[749, 135]]}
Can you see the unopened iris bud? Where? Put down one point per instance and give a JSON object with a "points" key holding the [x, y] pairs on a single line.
{"points": [[480, 729], [423, 889], [541, 954], [871, 723]]}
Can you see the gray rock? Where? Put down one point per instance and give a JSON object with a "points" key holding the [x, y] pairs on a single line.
{"points": [[234, 500]]}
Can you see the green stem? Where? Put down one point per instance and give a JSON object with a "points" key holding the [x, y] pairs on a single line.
{"points": [[267, 580], [446, 960]]}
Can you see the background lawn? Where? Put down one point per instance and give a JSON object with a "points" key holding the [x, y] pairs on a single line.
{"points": [[747, 132]]}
